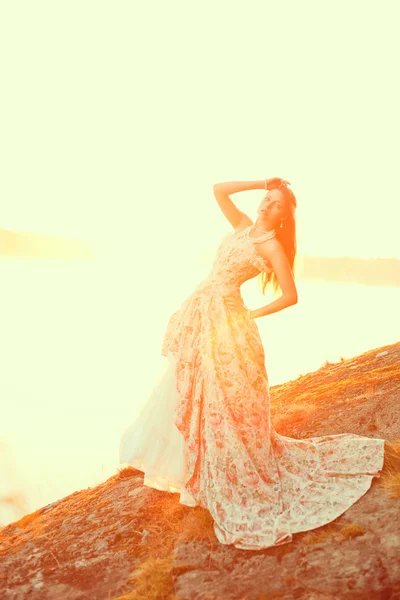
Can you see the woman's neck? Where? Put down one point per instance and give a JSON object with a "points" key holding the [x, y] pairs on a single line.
{"points": [[264, 224]]}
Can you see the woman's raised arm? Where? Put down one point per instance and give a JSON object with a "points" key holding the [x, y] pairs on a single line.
{"points": [[221, 192]]}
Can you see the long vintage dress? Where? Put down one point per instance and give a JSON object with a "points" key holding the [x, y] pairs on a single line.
{"points": [[205, 429]]}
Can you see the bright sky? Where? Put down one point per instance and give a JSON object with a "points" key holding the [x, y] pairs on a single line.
{"points": [[117, 118]]}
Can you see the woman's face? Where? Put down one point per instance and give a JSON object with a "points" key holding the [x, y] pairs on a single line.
{"points": [[273, 206]]}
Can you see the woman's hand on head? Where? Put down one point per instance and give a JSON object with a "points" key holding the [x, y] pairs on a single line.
{"points": [[275, 182]]}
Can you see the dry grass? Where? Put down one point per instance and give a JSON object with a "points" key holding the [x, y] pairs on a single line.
{"points": [[152, 580], [168, 523], [350, 531], [127, 473], [333, 531], [337, 380], [390, 475], [328, 532]]}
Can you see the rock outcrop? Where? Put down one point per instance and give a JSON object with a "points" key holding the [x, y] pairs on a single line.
{"points": [[123, 540]]}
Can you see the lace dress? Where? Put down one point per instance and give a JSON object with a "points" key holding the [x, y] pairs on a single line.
{"points": [[205, 429]]}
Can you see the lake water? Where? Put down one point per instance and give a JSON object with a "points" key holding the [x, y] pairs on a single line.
{"points": [[80, 351]]}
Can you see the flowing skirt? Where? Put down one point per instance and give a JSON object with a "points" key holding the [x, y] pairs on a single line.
{"points": [[260, 487], [153, 444]]}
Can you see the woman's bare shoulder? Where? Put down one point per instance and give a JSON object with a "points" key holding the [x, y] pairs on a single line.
{"points": [[269, 248]]}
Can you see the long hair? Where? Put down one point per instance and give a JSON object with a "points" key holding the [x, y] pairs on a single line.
{"points": [[286, 235]]}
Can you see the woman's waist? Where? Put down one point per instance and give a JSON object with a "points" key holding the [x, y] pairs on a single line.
{"points": [[216, 287]]}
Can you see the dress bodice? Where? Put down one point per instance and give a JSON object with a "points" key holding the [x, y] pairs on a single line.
{"points": [[237, 260]]}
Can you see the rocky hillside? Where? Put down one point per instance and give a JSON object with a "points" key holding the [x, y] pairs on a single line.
{"points": [[123, 540]]}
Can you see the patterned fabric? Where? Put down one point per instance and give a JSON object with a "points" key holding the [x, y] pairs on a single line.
{"points": [[205, 431]]}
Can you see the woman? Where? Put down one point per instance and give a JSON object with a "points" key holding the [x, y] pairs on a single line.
{"points": [[205, 431]]}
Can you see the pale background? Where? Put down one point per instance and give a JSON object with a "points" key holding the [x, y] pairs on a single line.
{"points": [[116, 120]]}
